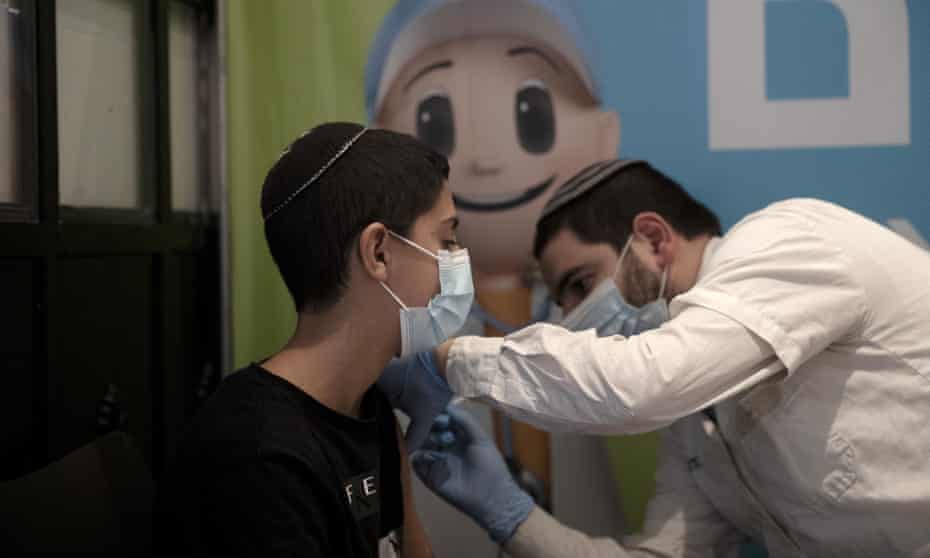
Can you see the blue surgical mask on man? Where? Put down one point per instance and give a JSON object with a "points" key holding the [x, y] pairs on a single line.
{"points": [[606, 311], [424, 328]]}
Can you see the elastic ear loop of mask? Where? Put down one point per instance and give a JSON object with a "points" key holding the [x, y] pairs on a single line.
{"points": [[414, 245], [394, 296], [316, 175], [626, 248]]}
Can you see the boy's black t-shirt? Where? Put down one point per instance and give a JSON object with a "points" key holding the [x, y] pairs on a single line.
{"points": [[266, 470]]}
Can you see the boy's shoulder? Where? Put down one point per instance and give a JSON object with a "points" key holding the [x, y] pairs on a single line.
{"points": [[255, 414], [251, 414]]}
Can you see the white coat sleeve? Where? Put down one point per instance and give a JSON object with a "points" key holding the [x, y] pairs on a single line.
{"points": [[575, 381], [680, 522], [777, 292]]}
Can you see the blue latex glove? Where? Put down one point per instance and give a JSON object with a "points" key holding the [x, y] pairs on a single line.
{"points": [[467, 471], [413, 385]]}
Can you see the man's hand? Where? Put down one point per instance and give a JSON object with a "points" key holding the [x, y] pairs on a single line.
{"points": [[461, 464], [413, 542]]}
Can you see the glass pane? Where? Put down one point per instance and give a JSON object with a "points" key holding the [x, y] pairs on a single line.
{"points": [[99, 99], [188, 156], [10, 78]]}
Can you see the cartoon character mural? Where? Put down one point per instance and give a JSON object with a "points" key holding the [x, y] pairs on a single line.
{"points": [[505, 91]]}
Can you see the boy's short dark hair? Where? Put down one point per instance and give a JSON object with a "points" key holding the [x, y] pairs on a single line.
{"points": [[384, 177], [605, 213]]}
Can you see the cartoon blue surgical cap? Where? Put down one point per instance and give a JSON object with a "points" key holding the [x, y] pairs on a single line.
{"points": [[414, 25]]}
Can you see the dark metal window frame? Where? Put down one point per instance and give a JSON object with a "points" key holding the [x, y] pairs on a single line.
{"points": [[43, 232], [37, 125], [208, 77]]}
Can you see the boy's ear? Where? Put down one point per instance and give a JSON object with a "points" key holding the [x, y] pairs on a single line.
{"points": [[374, 251]]}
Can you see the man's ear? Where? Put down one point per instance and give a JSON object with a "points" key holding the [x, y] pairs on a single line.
{"points": [[659, 234], [374, 252], [609, 124]]}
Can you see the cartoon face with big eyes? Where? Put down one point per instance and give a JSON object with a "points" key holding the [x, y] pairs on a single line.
{"points": [[515, 119]]}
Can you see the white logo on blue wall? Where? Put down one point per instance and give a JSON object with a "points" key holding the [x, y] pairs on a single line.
{"points": [[798, 74]]}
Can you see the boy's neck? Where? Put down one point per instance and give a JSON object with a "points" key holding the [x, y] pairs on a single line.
{"points": [[333, 360]]}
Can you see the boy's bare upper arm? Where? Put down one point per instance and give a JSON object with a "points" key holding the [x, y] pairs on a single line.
{"points": [[414, 543]]}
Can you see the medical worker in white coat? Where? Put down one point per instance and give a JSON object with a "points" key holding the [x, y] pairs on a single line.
{"points": [[786, 362]]}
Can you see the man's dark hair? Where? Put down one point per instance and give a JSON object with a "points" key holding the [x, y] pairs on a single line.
{"points": [[605, 213], [383, 177]]}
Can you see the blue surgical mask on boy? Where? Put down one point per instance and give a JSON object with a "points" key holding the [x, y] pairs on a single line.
{"points": [[606, 311], [424, 328]]}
